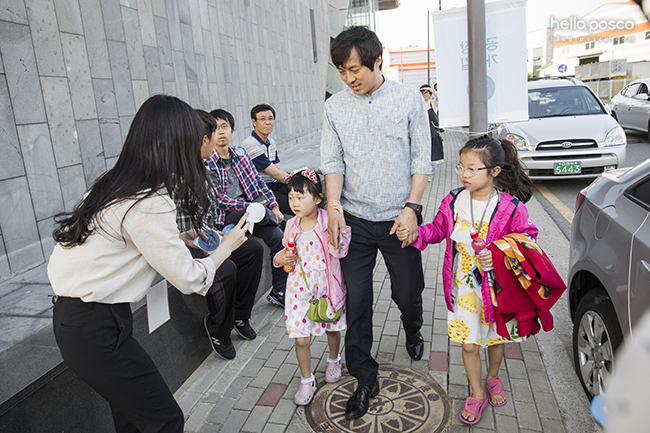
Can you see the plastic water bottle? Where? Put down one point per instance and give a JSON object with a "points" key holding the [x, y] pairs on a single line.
{"points": [[290, 249], [479, 247]]}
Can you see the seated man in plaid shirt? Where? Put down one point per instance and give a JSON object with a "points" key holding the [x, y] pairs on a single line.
{"points": [[232, 295], [237, 183]]}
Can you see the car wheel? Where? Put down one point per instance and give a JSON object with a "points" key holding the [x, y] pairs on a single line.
{"points": [[596, 336]]}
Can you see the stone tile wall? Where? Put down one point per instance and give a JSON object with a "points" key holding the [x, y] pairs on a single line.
{"points": [[74, 72]]}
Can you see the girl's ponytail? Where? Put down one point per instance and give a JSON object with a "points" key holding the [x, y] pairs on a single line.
{"points": [[512, 178]]}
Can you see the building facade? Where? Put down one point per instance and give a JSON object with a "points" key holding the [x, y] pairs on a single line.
{"points": [[412, 65], [73, 74]]}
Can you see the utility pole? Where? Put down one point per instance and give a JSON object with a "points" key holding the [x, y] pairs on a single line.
{"points": [[428, 53], [478, 121]]}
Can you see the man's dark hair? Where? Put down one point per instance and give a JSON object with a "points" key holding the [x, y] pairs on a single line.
{"points": [[259, 108], [362, 39], [209, 125], [223, 115]]}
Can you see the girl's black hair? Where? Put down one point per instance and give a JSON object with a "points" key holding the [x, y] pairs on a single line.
{"points": [[161, 153], [304, 185], [512, 178]]}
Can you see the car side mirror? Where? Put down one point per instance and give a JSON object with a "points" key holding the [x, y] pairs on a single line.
{"points": [[642, 97]]}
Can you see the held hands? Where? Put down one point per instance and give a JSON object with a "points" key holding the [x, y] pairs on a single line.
{"points": [[406, 227], [485, 259]]}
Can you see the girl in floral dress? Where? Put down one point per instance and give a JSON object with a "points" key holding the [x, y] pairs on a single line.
{"points": [[317, 274], [489, 203]]}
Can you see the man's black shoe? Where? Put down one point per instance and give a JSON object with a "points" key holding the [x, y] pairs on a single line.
{"points": [[222, 346], [359, 402], [415, 346], [245, 330], [276, 298]]}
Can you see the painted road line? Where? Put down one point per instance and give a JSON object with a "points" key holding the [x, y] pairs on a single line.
{"points": [[561, 207]]}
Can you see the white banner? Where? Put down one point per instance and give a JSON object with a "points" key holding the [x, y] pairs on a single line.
{"points": [[505, 34]]}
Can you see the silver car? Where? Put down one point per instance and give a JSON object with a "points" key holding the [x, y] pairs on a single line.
{"points": [[569, 132], [631, 107], [609, 272]]}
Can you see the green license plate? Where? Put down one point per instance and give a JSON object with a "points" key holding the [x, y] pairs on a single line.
{"points": [[567, 167]]}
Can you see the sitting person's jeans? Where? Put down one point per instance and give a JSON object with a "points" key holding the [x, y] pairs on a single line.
{"points": [[281, 194], [232, 294], [269, 231]]}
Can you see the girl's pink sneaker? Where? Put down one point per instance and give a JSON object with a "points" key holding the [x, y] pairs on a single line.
{"points": [[333, 372], [305, 393]]}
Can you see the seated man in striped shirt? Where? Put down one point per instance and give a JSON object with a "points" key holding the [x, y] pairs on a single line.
{"points": [[262, 150], [237, 183]]}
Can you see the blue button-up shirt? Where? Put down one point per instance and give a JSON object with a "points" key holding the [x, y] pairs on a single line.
{"points": [[377, 142]]}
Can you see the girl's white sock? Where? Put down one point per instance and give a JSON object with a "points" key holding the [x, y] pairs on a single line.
{"points": [[334, 361], [308, 380]]}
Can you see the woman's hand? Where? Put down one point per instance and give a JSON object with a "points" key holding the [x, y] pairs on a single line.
{"points": [[189, 236], [235, 237], [284, 258], [485, 259]]}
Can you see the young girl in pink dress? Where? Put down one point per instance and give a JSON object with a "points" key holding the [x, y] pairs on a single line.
{"points": [[317, 275]]}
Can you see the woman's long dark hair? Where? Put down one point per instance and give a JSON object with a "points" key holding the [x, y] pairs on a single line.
{"points": [[512, 178], [161, 150]]}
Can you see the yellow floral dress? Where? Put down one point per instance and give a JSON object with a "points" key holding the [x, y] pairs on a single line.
{"points": [[466, 324]]}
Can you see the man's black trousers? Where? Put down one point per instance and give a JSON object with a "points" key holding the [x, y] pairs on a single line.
{"points": [[269, 231], [407, 282]]}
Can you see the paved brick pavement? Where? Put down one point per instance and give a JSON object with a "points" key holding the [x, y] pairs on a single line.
{"points": [[254, 392]]}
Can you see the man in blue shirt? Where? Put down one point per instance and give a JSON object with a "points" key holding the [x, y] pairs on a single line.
{"points": [[375, 155], [262, 150]]}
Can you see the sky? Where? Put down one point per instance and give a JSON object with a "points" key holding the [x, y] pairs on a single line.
{"points": [[406, 25]]}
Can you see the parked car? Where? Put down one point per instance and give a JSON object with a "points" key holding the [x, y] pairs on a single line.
{"points": [[569, 132], [609, 270], [631, 106]]}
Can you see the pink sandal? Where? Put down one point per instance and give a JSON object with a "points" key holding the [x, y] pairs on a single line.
{"points": [[474, 406], [494, 388]]}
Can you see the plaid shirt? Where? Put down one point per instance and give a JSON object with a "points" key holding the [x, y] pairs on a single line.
{"points": [[184, 222], [250, 179]]}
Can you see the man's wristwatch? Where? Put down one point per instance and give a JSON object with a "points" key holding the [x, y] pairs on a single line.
{"points": [[416, 207]]}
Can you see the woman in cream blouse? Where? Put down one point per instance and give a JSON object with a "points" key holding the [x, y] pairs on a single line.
{"points": [[109, 249]]}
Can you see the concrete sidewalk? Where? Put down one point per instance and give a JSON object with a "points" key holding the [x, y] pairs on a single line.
{"points": [[254, 392]]}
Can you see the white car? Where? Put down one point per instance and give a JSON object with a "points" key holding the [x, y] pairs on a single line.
{"points": [[631, 107], [569, 134]]}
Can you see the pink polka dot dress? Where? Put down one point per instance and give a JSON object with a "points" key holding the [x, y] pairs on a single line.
{"points": [[297, 296]]}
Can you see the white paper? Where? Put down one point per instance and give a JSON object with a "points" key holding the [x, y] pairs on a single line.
{"points": [[157, 305], [506, 63], [256, 213]]}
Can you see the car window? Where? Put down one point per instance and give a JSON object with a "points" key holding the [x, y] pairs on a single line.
{"points": [[643, 89], [640, 193], [631, 90], [562, 101]]}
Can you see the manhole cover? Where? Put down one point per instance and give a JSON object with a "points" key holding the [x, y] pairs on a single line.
{"points": [[407, 402]]}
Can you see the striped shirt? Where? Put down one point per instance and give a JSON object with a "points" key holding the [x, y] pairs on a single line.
{"points": [[263, 154], [377, 142]]}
